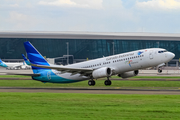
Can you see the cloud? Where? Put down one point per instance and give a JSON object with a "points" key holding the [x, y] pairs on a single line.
{"points": [[14, 5], [159, 4], [17, 16], [21, 21], [95, 4], [58, 3]]}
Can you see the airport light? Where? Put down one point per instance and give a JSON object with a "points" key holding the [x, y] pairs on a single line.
{"points": [[67, 53], [113, 47], [158, 44]]}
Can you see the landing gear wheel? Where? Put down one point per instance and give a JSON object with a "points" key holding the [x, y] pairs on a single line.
{"points": [[159, 71], [91, 82], [107, 82]]}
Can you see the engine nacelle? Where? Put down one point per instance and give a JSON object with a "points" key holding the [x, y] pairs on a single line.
{"points": [[129, 74], [102, 72]]}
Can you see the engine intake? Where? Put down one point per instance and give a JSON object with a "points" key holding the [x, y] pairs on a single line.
{"points": [[129, 74], [102, 72]]}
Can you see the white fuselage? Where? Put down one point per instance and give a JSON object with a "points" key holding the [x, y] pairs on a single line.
{"points": [[12, 65], [122, 63]]}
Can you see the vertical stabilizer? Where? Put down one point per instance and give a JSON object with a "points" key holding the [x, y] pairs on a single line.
{"points": [[26, 60], [35, 57], [2, 64]]}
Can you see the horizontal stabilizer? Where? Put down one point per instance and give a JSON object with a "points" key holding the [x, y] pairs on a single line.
{"points": [[33, 75]]}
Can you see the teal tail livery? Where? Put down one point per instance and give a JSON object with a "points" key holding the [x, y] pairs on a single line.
{"points": [[26, 60], [2, 64], [11, 65], [97, 68], [47, 74]]}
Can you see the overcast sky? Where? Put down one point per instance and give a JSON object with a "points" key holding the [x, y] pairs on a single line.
{"points": [[157, 16]]}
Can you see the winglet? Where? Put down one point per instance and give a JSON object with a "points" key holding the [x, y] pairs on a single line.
{"points": [[26, 60], [1, 61]]}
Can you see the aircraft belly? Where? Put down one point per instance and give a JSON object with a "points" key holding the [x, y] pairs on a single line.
{"points": [[50, 76]]}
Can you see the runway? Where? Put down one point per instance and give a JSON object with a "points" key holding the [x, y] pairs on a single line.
{"points": [[91, 90], [97, 90]]}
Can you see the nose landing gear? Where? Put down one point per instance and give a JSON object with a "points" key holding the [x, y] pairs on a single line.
{"points": [[159, 70]]}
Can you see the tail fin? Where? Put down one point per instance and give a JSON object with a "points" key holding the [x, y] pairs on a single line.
{"points": [[1, 61], [26, 60], [35, 57], [2, 64]]}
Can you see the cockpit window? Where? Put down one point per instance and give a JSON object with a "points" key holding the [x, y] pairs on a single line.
{"points": [[162, 51]]}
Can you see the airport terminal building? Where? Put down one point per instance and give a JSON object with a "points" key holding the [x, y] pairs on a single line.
{"points": [[85, 45]]}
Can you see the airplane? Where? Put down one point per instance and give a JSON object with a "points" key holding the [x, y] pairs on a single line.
{"points": [[11, 65], [124, 65], [26, 60]]}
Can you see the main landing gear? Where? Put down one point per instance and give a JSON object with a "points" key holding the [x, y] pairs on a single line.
{"points": [[91, 82], [107, 82]]}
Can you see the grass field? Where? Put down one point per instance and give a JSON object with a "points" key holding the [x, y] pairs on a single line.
{"points": [[174, 77], [158, 77], [14, 76], [61, 106], [99, 83], [72, 106]]}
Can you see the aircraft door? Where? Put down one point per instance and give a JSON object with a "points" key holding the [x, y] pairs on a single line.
{"points": [[151, 54]]}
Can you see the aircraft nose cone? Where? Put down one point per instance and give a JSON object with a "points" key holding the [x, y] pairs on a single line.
{"points": [[172, 55]]}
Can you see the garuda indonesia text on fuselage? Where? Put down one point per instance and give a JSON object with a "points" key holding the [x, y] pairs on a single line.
{"points": [[124, 65]]}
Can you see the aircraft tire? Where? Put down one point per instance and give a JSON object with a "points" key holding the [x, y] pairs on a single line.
{"points": [[91, 82], [159, 71], [107, 82]]}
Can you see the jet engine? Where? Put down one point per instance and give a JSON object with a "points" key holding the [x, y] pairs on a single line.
{"points": [[129, 74], [102, 72]]}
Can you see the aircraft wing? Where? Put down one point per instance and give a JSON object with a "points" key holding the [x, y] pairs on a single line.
{"points": [[64, 69]]}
